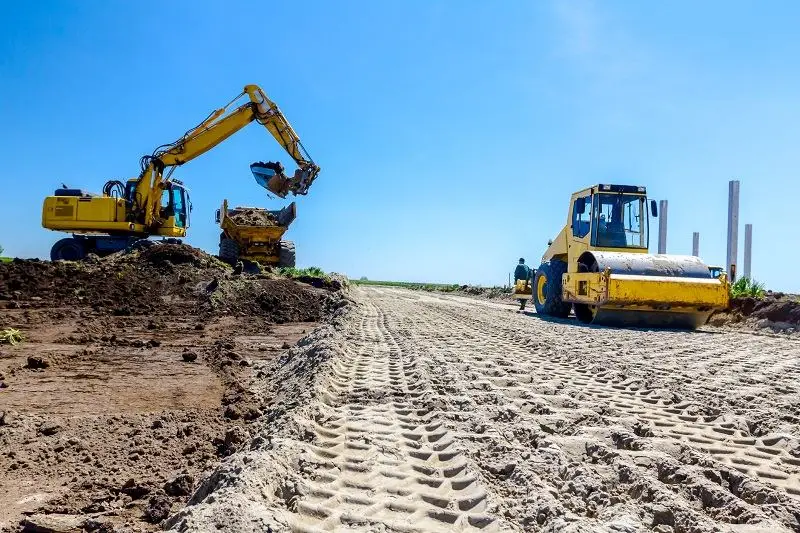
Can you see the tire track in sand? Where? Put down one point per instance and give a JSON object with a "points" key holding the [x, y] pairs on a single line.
{"points": [[554, 376], [380, 458]]}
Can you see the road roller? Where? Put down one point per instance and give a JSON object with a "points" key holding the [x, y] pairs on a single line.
{"points": [[600, 268]]}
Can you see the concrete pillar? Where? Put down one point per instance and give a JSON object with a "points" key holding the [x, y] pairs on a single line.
{"points": [[733, 228], [748, 244], [662, 227], [696, 244]]}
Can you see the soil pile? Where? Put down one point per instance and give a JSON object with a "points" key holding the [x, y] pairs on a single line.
{"points": [[160, 279], [253, 217], [776, 311]]}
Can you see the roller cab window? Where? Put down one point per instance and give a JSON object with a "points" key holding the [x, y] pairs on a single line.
{"points": [[620, 221], [581, 212]]}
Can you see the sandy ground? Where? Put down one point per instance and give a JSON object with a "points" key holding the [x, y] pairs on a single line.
{"points": [[425, 412]]}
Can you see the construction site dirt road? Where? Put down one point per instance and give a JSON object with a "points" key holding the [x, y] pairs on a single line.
{"points": [[412, 411]]}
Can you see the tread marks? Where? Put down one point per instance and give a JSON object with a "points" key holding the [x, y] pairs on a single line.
{"points": [[380, 457], [555, 370]]}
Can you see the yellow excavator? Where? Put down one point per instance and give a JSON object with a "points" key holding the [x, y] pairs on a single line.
{"points": [[599, 266], [154, 203]]}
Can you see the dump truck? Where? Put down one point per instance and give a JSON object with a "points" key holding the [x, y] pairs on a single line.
{"points": [[254, 235], [155, 203], [599, 266]]}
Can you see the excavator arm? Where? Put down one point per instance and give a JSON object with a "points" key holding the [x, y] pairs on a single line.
{"points": [[220, 125]]}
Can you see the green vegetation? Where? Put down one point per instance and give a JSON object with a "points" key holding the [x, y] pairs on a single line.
{"points": [[409, 285], [313, 272], [4, 259], [11, 336], [745, 287]]}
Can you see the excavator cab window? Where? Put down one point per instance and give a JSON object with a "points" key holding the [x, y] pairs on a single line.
{"points": [[620, 221], [179, 205]]}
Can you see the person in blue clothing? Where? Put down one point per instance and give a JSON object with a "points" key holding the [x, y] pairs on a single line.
{"points": [[522, 272]]}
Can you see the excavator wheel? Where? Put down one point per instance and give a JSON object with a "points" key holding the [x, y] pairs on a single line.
{"points": [[228, 250], [547, 290], [286, 257], [68, 249]]}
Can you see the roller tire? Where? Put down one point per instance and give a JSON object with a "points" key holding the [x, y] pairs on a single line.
{"points": [[552, 304], [228, 250], [68, 249], [287, 255]]}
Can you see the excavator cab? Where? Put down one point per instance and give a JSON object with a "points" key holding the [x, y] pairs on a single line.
{"points": [[175, 206]]}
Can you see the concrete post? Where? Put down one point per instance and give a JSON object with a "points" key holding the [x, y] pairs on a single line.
{"points": [[748, 244], [696, 244], [662, 227], [733, 228]]}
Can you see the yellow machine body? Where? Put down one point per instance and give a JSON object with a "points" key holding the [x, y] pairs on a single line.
{"points": [[599, 267], [100, 214], [256, 243], [522, 290]]}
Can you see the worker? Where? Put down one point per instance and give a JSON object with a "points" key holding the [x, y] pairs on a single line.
{"points": [[522, 272]]}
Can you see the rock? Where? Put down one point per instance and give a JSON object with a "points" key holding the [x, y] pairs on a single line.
{"points": [[153, 343], [286, 346], [180, 485], [662, 515], [232, 412], [189, 357], [37, 363], [235, 438], [5, 418], [158, 508], [51, 523], [49, 428], [3, 385], [134, 490]]}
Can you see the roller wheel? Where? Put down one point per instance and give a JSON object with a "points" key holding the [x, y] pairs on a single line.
{"points": [[68, 249], [547, 290], [228, 250], [286, 257]]}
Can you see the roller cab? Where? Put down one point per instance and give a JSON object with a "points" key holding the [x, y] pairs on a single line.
{"points": [[599, 267]]}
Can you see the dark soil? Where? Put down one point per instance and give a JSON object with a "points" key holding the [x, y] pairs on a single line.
{"points": [[163, 279], [133, 380], [775, 310], [253, 217]]}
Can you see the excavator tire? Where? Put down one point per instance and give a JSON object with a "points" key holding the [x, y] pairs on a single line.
{"points": [[228, 250], [68, 249], [286, 256], [547, 290]]}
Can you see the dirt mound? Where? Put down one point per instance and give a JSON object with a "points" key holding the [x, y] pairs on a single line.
{"points": [[485, 292], [253, 217], [776, 311], [159, 279], [177, 254], [280, 300]]}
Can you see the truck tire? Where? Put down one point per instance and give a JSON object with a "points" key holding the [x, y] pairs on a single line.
{"points": [[286, 257], [547, 290], [69, 249], [228, 250]]}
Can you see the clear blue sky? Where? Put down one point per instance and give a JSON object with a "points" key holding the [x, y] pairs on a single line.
{"points": [[450, 134]]}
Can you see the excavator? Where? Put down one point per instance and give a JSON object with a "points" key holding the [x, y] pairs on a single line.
{"points": [[154, 203], [599, 267]]}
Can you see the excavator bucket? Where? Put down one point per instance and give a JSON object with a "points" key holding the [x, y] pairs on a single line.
{"points": [[270, 176], [644, 290]]}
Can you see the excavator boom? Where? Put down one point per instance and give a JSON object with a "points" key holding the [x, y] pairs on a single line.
{"points": [[214, 130]]}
